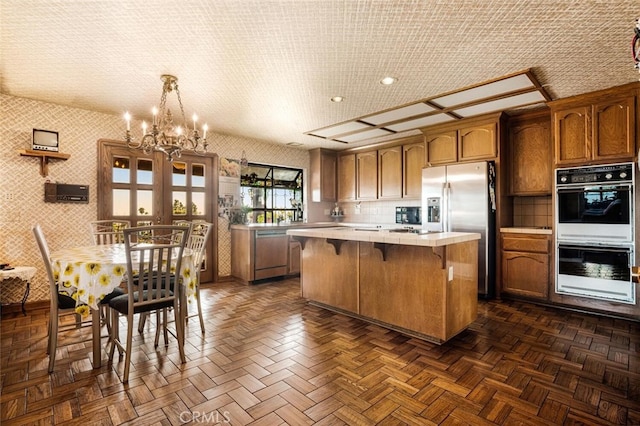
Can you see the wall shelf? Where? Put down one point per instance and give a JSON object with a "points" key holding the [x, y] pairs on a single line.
{"points": [[44, 156]]}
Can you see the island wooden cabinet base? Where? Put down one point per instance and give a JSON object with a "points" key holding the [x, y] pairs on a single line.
{"points": [[425, 292]]}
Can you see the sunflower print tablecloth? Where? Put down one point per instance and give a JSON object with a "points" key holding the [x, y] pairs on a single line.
{"points": [[89, 273]]}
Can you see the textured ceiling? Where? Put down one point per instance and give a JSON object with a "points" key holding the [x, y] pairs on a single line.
{"points": [[266, 69]]}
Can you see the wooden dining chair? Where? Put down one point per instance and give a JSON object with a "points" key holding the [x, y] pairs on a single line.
{"points": [[60, 305], [154, 260], [108, 231]]}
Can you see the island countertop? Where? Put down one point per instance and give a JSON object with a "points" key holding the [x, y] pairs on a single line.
{"points": [[435, 239]]}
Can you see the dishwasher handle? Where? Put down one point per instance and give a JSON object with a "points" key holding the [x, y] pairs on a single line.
{"points": [[271, 233]]}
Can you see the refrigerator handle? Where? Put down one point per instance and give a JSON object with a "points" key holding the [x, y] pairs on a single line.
{"points": [[446, 213]]}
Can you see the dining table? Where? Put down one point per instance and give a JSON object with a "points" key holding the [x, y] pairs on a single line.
{"points": [[89, 273]]}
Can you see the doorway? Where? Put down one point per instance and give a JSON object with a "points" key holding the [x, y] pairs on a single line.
{"points": [[146, 189]]}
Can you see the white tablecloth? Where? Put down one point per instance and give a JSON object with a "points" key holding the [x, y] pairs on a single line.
{"points": [[91, 272], [25, 273]]}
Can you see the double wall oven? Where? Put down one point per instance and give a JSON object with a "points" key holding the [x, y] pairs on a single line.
{"points": [[595, 232]]}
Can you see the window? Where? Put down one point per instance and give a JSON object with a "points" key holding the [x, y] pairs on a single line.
{"points": [[271, 194]]}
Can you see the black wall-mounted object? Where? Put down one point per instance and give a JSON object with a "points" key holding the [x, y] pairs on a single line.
{"points": [[64, 193]]}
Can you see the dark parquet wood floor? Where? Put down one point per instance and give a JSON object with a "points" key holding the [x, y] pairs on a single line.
{"points": [[269, 358]]}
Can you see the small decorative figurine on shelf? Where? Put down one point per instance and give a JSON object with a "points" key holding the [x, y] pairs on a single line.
{"points": [[296, 204]]}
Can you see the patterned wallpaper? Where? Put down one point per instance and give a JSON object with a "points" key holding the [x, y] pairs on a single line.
{"points": [[22, 194]]}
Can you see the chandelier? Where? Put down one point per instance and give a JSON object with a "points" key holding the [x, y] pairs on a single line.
{"points": [[164, 136]]}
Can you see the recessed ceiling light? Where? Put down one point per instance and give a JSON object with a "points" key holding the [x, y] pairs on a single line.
{"points": [[388, 80], [294, 144], [512, 91], [337, 99]]}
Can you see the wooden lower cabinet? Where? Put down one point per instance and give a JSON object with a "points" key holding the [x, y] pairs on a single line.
{"points": [[526, 265], [328, 277], [401, 287], [294, 257]]}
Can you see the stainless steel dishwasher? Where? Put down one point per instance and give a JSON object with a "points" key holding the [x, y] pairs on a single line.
{"points": [[271, 249]]}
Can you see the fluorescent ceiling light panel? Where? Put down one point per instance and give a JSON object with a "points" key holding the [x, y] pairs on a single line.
{"points": [[398, 114], [373, 133], [420, 122], [501, 104], [351, 126], [507, 85]]}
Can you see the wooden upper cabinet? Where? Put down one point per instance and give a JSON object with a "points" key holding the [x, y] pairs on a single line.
{"points": [[442, 147], [323, 173], [390, 173], [572, 133], [470, 139], [367, 175], [596, 127], [614, 124], [477, 142], [347, 177], [530, 155], [413, 158]]}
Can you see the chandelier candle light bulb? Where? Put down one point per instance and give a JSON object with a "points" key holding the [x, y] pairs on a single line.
{"points": [[164, 136]]}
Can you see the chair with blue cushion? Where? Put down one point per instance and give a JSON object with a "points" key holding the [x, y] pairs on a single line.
{"points": [[154, 259], [60, 304]]}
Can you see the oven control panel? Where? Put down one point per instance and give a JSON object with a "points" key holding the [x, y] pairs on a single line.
{"points": [[613, 173]]}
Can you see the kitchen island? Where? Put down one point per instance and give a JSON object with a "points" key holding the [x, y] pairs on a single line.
{"points": [[423, 285]]}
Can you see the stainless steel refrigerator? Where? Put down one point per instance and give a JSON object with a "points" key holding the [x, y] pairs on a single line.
{"points": [[461, 198]]}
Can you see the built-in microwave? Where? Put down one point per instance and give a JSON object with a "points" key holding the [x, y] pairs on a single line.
{"points": [[408, 215]]}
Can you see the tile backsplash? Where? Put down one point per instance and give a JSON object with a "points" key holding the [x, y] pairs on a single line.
{"points": [[532, 211], [527, 211], [378, 212]]}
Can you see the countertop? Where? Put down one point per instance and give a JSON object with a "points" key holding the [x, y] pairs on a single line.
{"points": [[436, 239], [527, 230], [284, 225]]}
